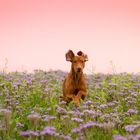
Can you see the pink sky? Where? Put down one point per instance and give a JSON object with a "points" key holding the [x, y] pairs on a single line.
{"points": [[36, 34]]}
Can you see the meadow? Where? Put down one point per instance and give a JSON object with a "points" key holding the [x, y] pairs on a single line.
{"points": [[30, 107]]}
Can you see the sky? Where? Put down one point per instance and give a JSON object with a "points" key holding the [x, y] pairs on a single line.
{"points": [[36, 34]]}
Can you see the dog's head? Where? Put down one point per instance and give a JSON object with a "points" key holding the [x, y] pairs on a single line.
{"points": [[78, 61]]}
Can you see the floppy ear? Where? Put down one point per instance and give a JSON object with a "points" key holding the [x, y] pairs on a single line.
{"points": [[69, 55], [80, 53], [86, 57]]}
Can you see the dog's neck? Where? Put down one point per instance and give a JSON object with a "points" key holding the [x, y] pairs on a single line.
{"points": [[76, 76]]}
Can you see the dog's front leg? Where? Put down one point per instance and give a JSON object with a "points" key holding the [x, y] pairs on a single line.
{"points": [[81, 94]]}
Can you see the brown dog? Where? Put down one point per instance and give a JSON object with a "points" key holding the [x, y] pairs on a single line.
{"points": [[74, 86]]}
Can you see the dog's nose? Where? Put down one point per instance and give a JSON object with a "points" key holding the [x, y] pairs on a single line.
{"points": [[78, 69]]}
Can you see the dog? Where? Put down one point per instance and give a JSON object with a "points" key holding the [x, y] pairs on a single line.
{"points": [[74, 85]]}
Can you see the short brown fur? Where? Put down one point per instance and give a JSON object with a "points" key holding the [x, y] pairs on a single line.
{"points": [[74, 86]]}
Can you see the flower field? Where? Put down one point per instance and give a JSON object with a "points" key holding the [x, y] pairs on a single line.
{"points": [[30, 108]]}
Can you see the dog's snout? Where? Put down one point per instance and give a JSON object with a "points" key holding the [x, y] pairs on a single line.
{"points": [[79, 69]]}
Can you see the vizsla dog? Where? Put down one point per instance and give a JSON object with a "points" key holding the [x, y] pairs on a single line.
{"points": [[74, 86]]}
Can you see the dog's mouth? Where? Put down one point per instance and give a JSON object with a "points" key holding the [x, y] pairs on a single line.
{"points": [[79, 70]]}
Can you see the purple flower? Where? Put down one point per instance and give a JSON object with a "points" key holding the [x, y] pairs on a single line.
{"points": [[29, 133], [90, 112], [89, 124], [103, 106], [130, 128], [65, 137], [6, 113], [134, 137], [79, 114], [131, 99], [49, 118], [134, 94], [33, 116], [62, 103], [25, 134], [111, 104], [119, 137], [61, 110], [106, 126], [132, 111], [65, 117], [76, 130], [106, 117], [77, 120], [34, 133], [49, 131], [84, 127], [98, 113], [88, 103], [122, 94]]}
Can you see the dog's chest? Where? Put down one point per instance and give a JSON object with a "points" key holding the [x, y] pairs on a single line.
{"points": [[76, 91]]}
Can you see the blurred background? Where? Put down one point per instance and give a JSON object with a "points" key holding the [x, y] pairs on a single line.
{"points": [[36, 34]]}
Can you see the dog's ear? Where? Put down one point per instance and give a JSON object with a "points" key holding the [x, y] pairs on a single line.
{"points": [[86, 57], [69, 55], [80, 53]]}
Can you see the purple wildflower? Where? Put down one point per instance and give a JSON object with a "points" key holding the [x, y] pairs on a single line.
{"points": [[98, 113], [103, 106], [90, 112], [29, 133], [134, 137], [34, 116], [61, 110], [34, 133], [119, 137], [106, 126], [76, 130], [132, 111], [25, 134], [89, 124], [134, 94], [62, 103], [106, 117], [77, 120], [6, 113], [122, 94], [48, 131], [111, 104], [129, 98], [77, 113], [130, 128], [65, 117], [82, 127], [65, 137], [49, 118], [88, 103]]}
